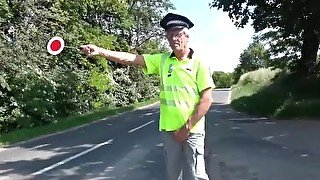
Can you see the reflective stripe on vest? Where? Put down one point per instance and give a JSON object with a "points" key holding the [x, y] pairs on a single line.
{"points": [[163, 88], [177, 88]]}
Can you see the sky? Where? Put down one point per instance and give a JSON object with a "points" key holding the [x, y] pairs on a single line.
{"points": [[214, 36]]}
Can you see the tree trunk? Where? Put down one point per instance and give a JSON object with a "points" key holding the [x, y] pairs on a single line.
{"points": [[306, 65]]}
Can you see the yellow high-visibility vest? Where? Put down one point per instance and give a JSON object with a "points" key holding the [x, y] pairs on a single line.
{"points": [[180, 88]]}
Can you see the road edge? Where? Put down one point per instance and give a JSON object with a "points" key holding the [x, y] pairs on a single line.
{"points": [[4, 148]]}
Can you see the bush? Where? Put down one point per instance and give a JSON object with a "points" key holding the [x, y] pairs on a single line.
{"points": [[280, 95], [308, 108], [263, 76], [222, 79], [37, 88]]}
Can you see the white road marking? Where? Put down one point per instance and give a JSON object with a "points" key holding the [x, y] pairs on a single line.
{"points": [[248, 118], [38, 147], [71, 158], [137, 128], [268, 138], [270, 123], [214, 110]]}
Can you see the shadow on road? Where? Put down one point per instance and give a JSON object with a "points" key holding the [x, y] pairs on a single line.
{"points": [[125, 152], [119, 160], [238, 146]]}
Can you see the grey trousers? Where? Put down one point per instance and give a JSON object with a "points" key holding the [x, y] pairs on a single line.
{"points": [[185, 161]]}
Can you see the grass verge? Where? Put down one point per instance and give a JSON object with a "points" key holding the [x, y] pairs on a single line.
{"points": [[282, 96], [66, 123]]}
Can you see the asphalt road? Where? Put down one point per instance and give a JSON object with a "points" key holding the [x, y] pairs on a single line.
{"points": [[128, 146]]}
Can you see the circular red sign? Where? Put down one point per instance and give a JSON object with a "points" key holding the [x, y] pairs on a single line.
{"points": [[55, 45]]}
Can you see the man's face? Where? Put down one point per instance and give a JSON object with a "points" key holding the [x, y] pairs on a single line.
{"points": [[177, 38]]}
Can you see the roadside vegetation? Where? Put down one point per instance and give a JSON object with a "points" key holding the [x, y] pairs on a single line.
{"points": [[67, 123], [41, 90], [264, 86], [222, 79], [275, 94], [269, 86], [279, 72]]}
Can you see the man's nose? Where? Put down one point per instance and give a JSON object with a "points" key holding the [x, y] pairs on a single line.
{"points": [[174, 37]]}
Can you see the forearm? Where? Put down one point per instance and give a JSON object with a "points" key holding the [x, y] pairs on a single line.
{"points": [[201, 109], [121, 57]]}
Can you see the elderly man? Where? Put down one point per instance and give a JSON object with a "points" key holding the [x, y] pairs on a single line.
{"points": [[185, 97]]}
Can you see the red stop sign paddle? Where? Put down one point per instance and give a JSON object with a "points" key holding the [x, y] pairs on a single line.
{"points": [[55, 45]]}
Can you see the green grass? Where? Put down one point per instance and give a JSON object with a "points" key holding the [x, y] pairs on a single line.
{"points": [[299, 109], [284, 97], [257, 100], [66, 123]]}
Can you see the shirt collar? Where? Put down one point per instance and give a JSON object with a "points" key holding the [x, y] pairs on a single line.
{"points": [[189, 55]]}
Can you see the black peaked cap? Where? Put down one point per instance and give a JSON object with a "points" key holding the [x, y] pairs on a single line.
{"points": [[175, 20]]}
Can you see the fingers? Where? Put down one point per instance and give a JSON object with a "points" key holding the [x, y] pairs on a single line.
{"points": [[180, 136], [86, 49], [89, 49]]}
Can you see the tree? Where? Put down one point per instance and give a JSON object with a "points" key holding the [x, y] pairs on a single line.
{"points": [[283, 51], [222, 79], [4, 11], [145, 15], [298, 18], [252, 58], [36, 87]]}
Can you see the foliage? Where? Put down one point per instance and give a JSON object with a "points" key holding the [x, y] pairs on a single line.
{"points": [[145, 15], [222, 79], [262, 76], [276, 93], [252, 58], [67, 123], [283, 51], [246, 96], [153, 46], [290, 19], [36, 88]]}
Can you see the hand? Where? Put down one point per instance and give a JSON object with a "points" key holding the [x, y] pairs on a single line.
{"points": [[90, 50], [182, 134]]}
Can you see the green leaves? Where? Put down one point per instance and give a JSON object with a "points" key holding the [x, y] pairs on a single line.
{"points": [[36, 88], [222, 79], [99, 80], [252, 58], [297, 19], [5, 12]]}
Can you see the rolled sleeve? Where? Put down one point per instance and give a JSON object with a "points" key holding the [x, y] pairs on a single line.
{"points": [[204, 78], [152, 63]]}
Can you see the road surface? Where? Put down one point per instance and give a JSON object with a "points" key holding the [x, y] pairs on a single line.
{"points": [[128, 146]]}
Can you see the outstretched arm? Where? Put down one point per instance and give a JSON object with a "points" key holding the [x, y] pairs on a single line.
{"points": [[115, 56]]}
